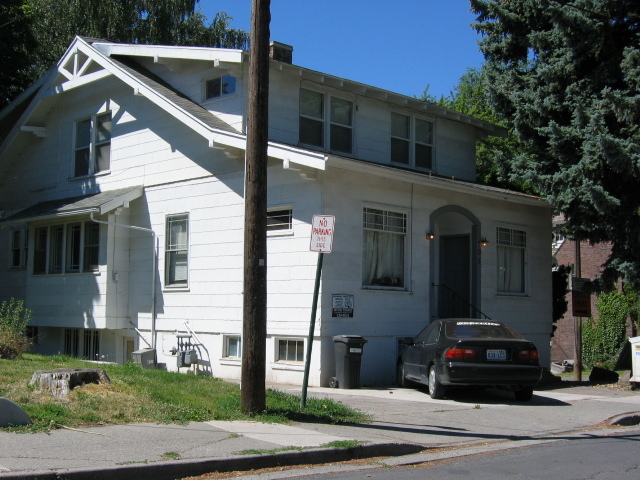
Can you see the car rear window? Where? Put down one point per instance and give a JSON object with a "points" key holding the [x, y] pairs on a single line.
{"points": [[473, 329]]}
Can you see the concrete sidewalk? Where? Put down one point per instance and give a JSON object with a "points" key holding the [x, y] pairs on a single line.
{"points": [[407, 425]]}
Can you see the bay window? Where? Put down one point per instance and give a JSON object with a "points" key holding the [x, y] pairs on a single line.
{"points": [[68, 248]]}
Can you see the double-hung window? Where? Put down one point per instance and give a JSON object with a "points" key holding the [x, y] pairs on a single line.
{"points": [[219, 87], [326, 120], [177, 250], [383, 263], [411, 141], [19, 252], [512, 246], [92, 152], [67, 248]]}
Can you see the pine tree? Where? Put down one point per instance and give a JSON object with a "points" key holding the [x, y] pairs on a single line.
{"points": [[567, 75]]}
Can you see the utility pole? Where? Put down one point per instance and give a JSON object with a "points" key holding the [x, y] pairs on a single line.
{"points": [[254, 327], [577, 321]]}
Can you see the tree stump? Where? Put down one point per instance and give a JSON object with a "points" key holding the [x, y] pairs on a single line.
{"points": [[62, 380]]}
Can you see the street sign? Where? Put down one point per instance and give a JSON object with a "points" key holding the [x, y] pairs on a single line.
{"points": [[580, 304], [322, 233]]}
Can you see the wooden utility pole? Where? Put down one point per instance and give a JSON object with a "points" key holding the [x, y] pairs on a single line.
{"points": [[577, 322], [254, 330]]}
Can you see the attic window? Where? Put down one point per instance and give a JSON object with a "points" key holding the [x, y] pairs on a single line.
{"points": [[219, 87], [92, 148]]}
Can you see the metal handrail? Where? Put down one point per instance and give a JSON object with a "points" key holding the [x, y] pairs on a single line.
{"points": [[452, 305]]}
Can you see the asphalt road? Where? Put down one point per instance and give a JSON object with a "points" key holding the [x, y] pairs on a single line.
{"points": [[595, 457]]}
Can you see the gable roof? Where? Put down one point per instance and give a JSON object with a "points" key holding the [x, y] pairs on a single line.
{"points": [[84, 63]]}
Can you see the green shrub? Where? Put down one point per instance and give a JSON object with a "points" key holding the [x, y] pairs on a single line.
{"points": [[602, 338], [14, 318]]}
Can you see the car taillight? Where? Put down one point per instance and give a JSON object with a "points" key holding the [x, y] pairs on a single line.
{"points": [[460, 353], [529, 354]]}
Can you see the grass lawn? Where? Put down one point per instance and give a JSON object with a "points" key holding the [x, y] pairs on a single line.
{"points": [[143, 395]]}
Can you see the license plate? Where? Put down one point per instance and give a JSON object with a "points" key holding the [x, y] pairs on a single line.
{"points": [[496, 354]]}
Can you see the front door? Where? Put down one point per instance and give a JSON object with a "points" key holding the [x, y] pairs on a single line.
{"points": [[455, 275]]}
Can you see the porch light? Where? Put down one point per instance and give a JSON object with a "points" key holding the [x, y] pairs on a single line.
{"points": [[484, 242], [431, 236]]}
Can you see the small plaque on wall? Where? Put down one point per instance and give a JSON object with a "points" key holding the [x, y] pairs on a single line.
{"points": [[342, 305]]}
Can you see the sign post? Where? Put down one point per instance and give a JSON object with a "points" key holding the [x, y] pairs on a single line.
{"points": [[321, 241]]}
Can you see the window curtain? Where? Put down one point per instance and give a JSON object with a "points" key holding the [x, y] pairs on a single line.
{"points": [[510, 269], [384, 259]]}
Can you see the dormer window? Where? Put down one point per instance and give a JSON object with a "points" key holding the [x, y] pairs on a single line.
{"points": [[219, 87], [411, 141], [92, 148]]}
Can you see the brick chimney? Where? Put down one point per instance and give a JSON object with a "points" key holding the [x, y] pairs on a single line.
{"points": [[281, 52]]}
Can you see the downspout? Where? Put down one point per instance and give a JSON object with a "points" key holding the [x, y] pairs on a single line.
{"points": [[153, 271]]}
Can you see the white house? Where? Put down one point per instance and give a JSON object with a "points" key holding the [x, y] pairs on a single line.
{"points": [[124, 151]]}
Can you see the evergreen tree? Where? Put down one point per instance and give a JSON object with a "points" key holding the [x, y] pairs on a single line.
{"points": [[16, 41], [52, 25], [567, 75]]}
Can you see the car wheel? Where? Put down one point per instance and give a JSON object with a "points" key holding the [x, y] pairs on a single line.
{"points": [[524, 395], [400, 377], [436, 390]]}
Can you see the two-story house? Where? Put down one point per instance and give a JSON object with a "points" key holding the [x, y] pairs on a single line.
{"points": [[121, 200]]}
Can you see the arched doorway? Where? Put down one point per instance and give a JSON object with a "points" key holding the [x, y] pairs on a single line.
{"points": [[454, 266]]}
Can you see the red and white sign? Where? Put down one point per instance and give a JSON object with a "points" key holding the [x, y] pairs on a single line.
{"points": [[322, 233]]}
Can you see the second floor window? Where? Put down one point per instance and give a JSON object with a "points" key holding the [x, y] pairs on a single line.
{"points": [[219, 87], [92, 149], [338, 135], [411, 141]]}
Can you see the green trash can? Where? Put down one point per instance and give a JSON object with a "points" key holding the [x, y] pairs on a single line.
{"points": [[348, 357]]}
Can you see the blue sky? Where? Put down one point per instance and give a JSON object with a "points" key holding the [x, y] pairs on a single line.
{"points": [[401, 45]]}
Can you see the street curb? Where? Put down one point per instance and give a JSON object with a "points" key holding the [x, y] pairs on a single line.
{"points": [[171, 470], [625, 419]]}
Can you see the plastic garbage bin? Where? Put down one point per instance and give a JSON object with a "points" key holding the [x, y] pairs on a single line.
{"points": [[348, 355]]}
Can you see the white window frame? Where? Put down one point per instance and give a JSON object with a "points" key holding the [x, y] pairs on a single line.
{"points": [[388, 213], [19, 248], [222, 93], [511, 239], [57, 261], [329, 122], [278, 227], [227, 347], [170, 250], [94, 144], [412, 140], [288, 361]]}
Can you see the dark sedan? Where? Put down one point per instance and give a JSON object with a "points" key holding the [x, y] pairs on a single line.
{"points": [[466, 352]]}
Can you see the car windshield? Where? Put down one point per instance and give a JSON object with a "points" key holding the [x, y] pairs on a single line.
{"points": [[471, 329]]}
